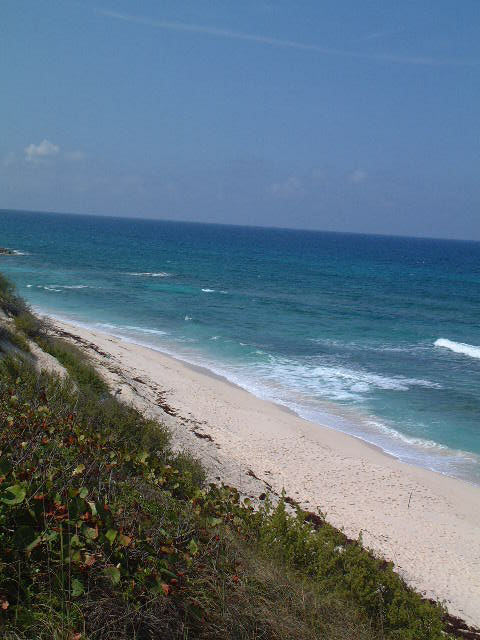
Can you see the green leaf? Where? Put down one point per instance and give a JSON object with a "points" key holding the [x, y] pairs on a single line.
{"points": [[34, 544], [193, 547], [214, 522], [18, 492], [75, 541], [113, 574], [124, 540], [78, 470], [142, 457], [111, 535], [77, 588], [93, 508], [90, 533], [83, 492]]}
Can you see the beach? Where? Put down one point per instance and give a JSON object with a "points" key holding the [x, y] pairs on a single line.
{"points": [[426, 523]]}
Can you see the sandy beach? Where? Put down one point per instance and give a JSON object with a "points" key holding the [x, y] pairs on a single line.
{"points": [[427, 524]]}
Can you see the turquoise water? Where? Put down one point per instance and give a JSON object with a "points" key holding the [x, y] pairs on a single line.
{"points": [[376, 336]]}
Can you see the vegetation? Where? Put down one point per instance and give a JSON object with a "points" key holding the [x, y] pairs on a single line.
{"points": [[105, 532]]}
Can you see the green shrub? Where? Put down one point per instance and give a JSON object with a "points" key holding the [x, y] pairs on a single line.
{"points": [[30, 325], [7, 336], [103, 529], [10, 303], [75, 363]]}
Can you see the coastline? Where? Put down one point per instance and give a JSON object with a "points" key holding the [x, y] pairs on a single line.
{"points": [[428, 524]]}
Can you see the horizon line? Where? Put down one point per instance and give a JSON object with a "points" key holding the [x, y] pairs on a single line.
{"points": [[234, 224]]}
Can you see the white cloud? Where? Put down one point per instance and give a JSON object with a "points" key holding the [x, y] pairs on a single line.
{"points": [[358, 176], [38, 152], [75, 156], [289, 188]]}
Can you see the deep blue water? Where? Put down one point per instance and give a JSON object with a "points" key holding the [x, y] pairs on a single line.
{"points": [[341, 328]]}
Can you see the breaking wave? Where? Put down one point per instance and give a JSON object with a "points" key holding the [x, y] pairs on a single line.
{"points": [[458, 347]]}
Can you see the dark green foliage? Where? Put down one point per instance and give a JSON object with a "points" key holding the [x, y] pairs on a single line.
{"points": [[105, 532], [30, 325], [10, 303], [9, 337]]}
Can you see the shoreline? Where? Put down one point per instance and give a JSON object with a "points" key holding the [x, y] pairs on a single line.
{"points": [[426, 523], [331, 411]]}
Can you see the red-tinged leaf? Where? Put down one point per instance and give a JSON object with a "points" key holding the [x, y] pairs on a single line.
{"points": [[5, 604], [39, 496], [236, 579], [125, 541], [166, 588]]}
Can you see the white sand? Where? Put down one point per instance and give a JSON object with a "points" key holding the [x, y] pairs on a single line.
{"points": [[426, 523]]}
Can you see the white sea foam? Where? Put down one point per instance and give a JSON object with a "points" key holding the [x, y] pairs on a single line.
{"points": [[363, 380], [155, 332], [17, 252], [29, 285], [458, 347], [208, 290], [188, 318], [51, 287], [151, 274], [76, 286]]}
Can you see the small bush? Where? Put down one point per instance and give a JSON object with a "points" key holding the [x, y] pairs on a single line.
{"points": [[30, 325], [75, 363], [10, 303], [13, 338]]}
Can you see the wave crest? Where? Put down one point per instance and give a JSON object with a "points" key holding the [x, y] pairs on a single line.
{"points": [[458, 347], [151, 274]]}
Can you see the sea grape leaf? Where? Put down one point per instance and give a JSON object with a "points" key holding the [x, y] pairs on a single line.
{"points": [[193, 547], [124, 540], [113, 573], [17, 491], [77, 588], [111, 535], [93, 508], [91, 533]]}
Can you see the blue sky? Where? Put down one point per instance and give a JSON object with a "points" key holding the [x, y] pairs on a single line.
{"points": [[334, 115]]}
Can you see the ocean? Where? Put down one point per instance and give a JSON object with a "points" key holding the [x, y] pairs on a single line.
{"points": [[376, 336]]}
